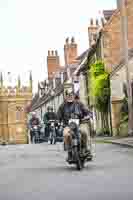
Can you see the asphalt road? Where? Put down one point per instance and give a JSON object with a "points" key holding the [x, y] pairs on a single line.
{"points": [[39, 172]]}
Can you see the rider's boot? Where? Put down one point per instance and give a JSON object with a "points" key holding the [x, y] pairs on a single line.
{"points": [[84, 150], [69, 158]]}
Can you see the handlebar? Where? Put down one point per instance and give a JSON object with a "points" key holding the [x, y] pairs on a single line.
{"points": [[55, 121], [85, 119]]}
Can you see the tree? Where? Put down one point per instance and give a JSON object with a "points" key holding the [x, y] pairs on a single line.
{"points": [[100, 91]]}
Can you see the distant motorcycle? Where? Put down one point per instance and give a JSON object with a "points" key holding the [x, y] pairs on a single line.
{"points": [[52, 131], [60, 129], [78, 157], [36, 133]]}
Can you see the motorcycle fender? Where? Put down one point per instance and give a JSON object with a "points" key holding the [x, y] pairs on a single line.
{"points": [[75, 142]]}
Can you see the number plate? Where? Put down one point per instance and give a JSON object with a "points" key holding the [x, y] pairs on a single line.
{"points": [[75, 142], [35, 127]]}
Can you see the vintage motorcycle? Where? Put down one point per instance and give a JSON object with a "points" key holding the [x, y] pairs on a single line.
{"points": [[78, 156], [36, 133]]}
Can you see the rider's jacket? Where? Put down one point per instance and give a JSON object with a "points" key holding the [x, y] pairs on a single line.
{"points": [[67, 109], [49, 116]]}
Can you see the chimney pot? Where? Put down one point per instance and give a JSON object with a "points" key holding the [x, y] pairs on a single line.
{"points": [[72, 40], [56, 53], [67, 40], [48, 52], [91, 22], [97, 22]]}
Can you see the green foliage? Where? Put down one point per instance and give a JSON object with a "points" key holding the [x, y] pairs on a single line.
{"points": [[103, 132], [100, 88], [97, 68], [99, 85]]}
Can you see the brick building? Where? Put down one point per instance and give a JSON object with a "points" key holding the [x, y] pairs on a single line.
{"points": [[113, 55], [112, 36]]}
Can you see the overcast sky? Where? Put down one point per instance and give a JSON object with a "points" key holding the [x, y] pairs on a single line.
{"points": [[28, 28]]}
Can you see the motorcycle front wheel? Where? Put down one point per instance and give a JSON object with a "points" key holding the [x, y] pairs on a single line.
{"points": [[79, 163]]}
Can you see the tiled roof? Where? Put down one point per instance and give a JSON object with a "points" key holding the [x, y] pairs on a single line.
{"points": [[35, 99], [46, 97], [107, 14], [82, 55], [113, 16]]}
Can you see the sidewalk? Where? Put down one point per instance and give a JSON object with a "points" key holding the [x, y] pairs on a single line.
{"points": [[126, 141]]}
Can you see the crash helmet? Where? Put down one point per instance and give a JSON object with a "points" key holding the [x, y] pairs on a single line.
{"points": [[50, 109], [33, 114]]}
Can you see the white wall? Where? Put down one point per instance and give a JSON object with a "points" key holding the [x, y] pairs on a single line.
{"points": [[117, 81], [58, 100]]}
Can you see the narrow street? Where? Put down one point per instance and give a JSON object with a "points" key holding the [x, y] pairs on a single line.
{"points": [[31, 172]]}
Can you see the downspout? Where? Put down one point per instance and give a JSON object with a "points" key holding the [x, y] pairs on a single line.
{"points": [[110, 113]]}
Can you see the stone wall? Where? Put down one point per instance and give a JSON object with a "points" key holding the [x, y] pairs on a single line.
{"points": [[117, 95], [116, 108], [118, 78], [13, 120]]}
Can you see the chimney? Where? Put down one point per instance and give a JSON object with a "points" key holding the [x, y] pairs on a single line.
{"points": [[92, 31], [53, 62], [118, 4], [70, 51]]}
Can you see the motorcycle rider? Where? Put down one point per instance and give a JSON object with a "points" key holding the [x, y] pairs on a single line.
{"points": [[72, 105], [49, 115], [32, 122]]}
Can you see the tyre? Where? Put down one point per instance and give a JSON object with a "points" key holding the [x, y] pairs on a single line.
{"points": [[90, 158], [51, 141], [50, 138], [79, 163], [54, 140], [82, 163]]}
